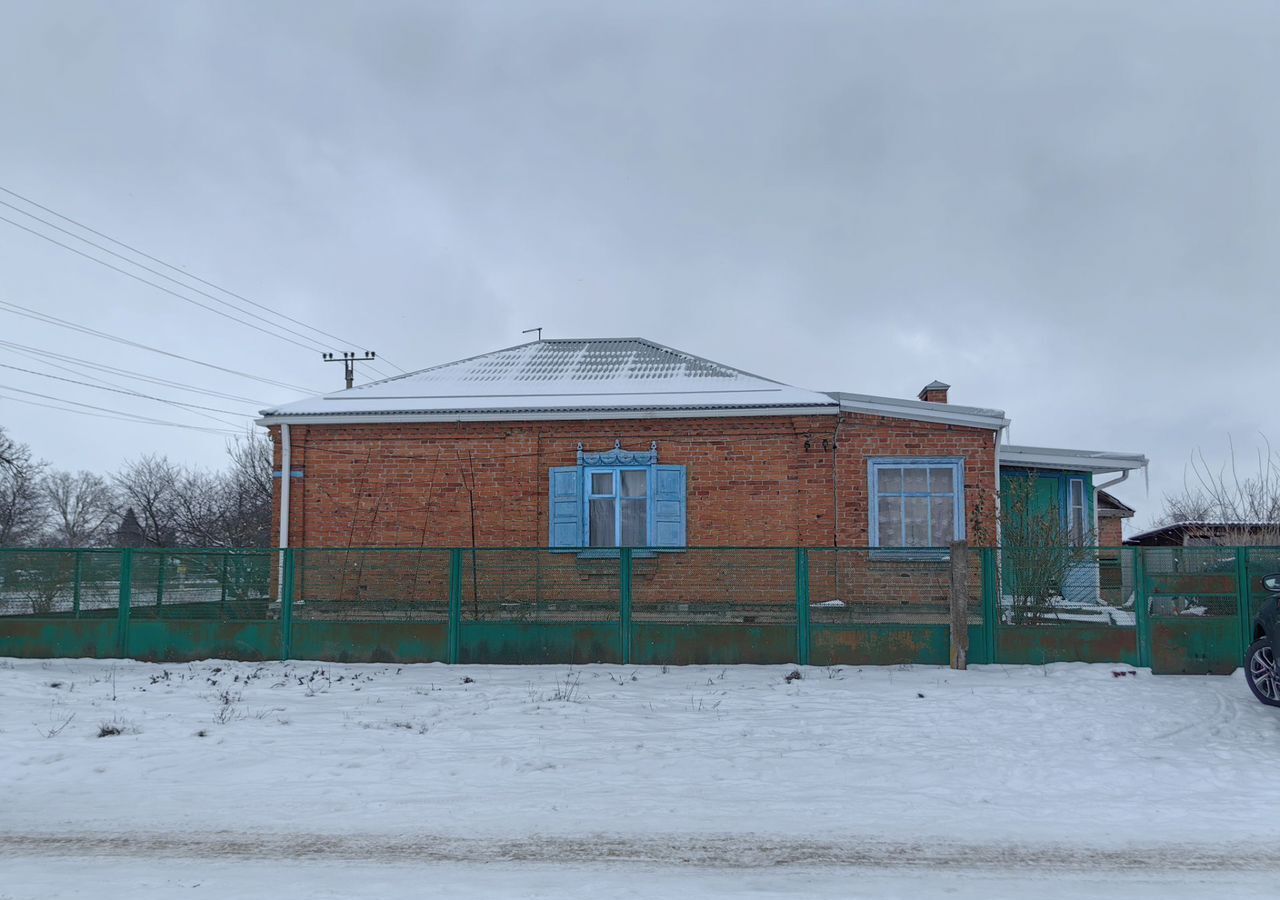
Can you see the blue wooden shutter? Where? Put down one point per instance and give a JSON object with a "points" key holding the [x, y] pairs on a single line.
{"points": [[566, 507], [669, 506]]}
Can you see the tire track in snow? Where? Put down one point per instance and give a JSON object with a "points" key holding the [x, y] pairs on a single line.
{"points": [[668, 850]]}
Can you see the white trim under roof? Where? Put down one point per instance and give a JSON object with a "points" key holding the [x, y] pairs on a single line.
{"points": [[1070, 460], [559, 415], [921, 411]]}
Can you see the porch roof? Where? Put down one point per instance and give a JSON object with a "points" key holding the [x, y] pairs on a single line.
{"points": [[1094, 461]]}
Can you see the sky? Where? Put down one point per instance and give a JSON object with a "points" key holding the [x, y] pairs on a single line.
{"points": [[1066, 210]]}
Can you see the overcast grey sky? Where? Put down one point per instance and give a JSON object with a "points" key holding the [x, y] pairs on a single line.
{"points": [[1068, 211]]}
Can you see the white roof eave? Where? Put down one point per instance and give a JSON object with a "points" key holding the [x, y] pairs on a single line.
{"points": [[271, 417], [921, 411], [1070, 460]]}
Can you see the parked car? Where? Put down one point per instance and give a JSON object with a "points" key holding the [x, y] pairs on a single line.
{"points": [[1260, 660]]}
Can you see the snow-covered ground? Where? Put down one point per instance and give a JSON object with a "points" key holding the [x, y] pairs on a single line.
{"points": [[318, 780]]}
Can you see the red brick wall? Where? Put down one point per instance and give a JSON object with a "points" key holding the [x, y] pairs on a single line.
{"points": [[751, 481], [1110, 531]]}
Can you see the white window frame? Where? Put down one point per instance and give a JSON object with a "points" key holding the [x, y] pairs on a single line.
{"points": [[588, 495]]}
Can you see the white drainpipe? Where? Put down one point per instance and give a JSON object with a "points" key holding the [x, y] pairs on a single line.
{"points": [[1123, 476], [286, 470], [1106, 484]]}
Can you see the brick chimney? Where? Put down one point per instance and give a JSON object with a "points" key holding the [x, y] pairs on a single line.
{"points": [[934, 392]]}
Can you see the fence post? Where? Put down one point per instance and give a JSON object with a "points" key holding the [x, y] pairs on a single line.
{"points": [[1141, 607], [1244, 605], [802, 606], [959, 605], [122, 610], [624, 603], [286, 605], [75, 584], [990, 603], [455, 606], [160, 585], [222, 600]]}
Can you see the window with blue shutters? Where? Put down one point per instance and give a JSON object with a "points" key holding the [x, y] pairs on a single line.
{"points": [[618, 498]]}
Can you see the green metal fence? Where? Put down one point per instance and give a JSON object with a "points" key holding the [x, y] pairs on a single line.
{"points": [[1177, 610]]}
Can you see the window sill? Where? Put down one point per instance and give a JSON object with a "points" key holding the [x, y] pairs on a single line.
{"points": [[910, 554], [614, 553]]}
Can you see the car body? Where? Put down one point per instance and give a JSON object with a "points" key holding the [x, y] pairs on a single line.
{"points": [[1260, 659]]}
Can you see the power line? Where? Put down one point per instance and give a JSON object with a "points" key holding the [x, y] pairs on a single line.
{"points": [[101, 415], [84, 329], [114, 413], [36, 352], [160, 274], [160, 287], [158, 261], [100, 380], [119, 390]]}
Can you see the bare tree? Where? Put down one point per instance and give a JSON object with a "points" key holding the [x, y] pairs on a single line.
{"points": [[150, 486], [231, 508], [9, 449], [180, 506], [81, 506], [22, 510], [247, 491], [1244, 503]]}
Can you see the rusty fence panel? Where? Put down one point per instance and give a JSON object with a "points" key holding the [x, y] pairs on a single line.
{"points": [[1062, 604], [1195, 610]]}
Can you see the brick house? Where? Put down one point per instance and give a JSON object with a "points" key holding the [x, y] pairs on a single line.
{"points": [[625, 442]]}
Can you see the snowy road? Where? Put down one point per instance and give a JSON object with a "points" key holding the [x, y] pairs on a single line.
{"points": [[912, 781], [709, 851]]}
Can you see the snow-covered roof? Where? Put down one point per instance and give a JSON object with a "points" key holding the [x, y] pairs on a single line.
{"points": [[1199, 528], [562, 379], [1070, 460]]}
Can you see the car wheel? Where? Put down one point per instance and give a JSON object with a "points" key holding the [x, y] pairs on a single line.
{"points": [[1260, 672]]}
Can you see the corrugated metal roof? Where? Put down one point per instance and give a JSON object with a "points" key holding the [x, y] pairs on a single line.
{"points": [[565, 377], [599, 359]]}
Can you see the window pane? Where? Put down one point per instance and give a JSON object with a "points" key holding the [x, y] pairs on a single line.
{"points": [[889, 481], [635, 521], [634, 483], [1075, 526], [944, 521], [941, 481], [601, 529], [915, 480], [890, 524], [915, 511], [602, 482]]}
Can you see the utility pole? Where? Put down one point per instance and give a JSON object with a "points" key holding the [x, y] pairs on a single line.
{"points": [[349, 360]]}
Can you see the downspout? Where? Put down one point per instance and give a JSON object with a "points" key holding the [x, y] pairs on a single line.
{"points": [[286, 471], [1123, 476], [1000, 438]]}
